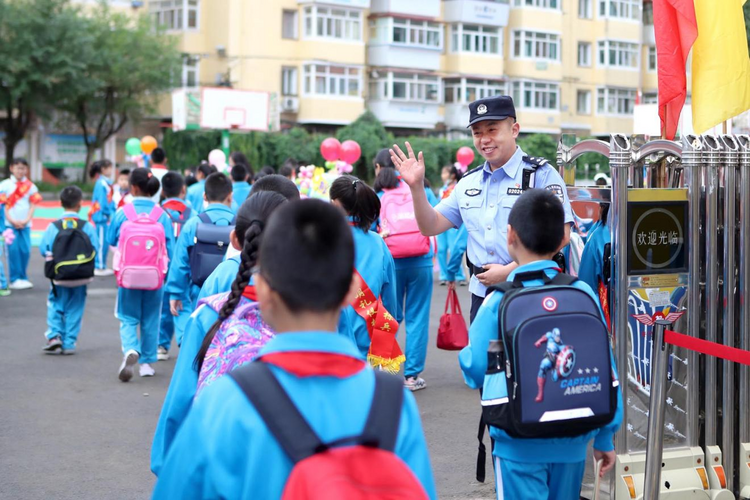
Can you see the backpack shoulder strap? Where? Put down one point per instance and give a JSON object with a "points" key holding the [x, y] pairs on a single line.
{"points": [[205, 218], [155, 213], [293, 433], [563, 279], [381, 428], [129, 211]]}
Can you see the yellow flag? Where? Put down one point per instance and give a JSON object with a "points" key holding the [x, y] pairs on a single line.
{"points": [[721, 65]]}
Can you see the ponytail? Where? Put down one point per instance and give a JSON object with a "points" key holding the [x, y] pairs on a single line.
{"points": [[142, 178], [358, 199]]}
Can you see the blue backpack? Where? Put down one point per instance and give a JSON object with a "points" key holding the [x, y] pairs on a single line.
{"points": [[210, 246], [550, 372]]}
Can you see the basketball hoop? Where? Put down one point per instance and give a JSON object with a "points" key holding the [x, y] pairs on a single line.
{"points": [[234, 117]]}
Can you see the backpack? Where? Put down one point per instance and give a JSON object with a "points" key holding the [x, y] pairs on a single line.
{"points": [[72, 262], [179, 213], [568, 389], [210, 246], [237, 341], [359, 467], [398, 220], [141, 259]]}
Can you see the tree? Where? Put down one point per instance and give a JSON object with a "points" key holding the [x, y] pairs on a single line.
{"points": [[130, 68], [371, 136], [539, 145], [41, 47]]}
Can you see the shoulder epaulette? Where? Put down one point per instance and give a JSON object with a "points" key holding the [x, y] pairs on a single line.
{"points": [[473, 170], [535, 161]]}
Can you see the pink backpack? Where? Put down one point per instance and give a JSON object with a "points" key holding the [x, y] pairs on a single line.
{"points": [[141, 260], [398, 221]]}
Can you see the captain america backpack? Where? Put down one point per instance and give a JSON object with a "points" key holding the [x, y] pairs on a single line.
{"points": [[550, 375]]}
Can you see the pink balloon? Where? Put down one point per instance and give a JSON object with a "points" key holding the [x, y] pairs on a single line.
{"points": [[330, 149], [350, 152], [465, 156]]}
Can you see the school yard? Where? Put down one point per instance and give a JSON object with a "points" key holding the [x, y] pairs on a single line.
{"points": [[69, 429]]}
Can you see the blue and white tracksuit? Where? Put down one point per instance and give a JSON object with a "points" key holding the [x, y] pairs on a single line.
{"points": [[20, 251], [221, 279], [195, 196], [101, 218]]}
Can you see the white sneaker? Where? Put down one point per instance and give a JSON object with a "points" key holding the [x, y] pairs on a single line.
{"points": [[415, 383], [103, 272], [27, 285], [162, 354], [146, 371], [128, 362], [21, 285]]}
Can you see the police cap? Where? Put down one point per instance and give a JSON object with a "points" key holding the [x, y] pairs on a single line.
{"points": [[491, 108]]}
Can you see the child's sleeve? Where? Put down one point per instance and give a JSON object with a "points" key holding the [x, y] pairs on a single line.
{"points": [[411, 446], [166, 221], [91, 233], [45, 246], [388, 291], [473, 357], [113, 234], [178, 281], [457, 253], [34, 196]]}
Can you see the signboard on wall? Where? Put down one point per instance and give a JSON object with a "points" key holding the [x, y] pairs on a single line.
{"points": [[657, 237], [476, 12], [63, 151]]}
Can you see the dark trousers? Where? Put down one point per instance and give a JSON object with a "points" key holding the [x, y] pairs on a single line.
{"points": [[476, 301]]}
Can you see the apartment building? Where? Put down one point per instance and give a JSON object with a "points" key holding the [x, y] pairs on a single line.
{"points": [[571, 65]]}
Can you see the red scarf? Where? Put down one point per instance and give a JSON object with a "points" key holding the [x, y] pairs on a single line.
{"points": [[250, 294], [22, 189], [448, 191], [315, 364]]}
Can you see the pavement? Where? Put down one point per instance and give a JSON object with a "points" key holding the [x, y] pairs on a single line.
{"points": [[69, 429]]}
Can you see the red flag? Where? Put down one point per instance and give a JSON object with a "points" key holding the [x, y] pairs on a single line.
{"points": [[676, 29]]}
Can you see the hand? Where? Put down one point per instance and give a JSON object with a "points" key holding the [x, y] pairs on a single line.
{"points": [[175, 306], [538, 343], [451, 285], [609, 460], [412, 168], [494, 274]]}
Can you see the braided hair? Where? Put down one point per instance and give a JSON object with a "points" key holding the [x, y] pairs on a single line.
{"points": [[251, 219]]}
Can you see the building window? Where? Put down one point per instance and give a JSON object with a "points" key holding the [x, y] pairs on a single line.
{"points": [[408, 87], [288, 81], [466, 90], [541, 4], [337, 24], [536, 95], [190, 72], [621, 9], [332, 80], [175, 14], [650, 98], [289, 24], [583, 102], [618, 54], [615, 101], [536, 45], [651, 58], [417, 33], [475, 39], [584, 54], [584, 9]]}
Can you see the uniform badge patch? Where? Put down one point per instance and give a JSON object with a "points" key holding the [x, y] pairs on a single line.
{"points": [[473, 192], [516, 191], [557, 190], [481, 109]]}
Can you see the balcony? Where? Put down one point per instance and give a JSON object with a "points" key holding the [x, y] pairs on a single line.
{"points": [[429, 9], [456, 116], [418, 115], [394, 56], [357, 4], [405, 43], [476, 12]]}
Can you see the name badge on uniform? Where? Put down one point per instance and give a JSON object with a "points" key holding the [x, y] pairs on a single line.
{"points": [[515, 191], [473, 192], [557, 190]]}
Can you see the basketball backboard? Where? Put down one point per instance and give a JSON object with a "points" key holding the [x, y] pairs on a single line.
{"points": [[229, 109]]}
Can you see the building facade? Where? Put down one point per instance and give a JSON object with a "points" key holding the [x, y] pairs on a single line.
{"points": [[575, 66]]}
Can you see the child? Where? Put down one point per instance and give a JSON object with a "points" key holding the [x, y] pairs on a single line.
{"points": [[4, 290], [181, 289], [445, 241], [121, 195], [202, 327], [196, 191], [158, 168], [413, 290], [102, 210], [139, 307], [373, 262], [222, 277], [289, 168], [21, 197], [224, 449], [65, 305], [173, 191], [534, 468], [240, 187]]}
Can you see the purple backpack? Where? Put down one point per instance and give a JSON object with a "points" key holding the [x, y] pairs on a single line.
{"points": [[238, 340]]}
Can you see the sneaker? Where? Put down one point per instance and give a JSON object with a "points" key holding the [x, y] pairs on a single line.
{"points": [[162, 354], [4, 292], [146, 370], [68, 352], [415, 383], [128, 362], [16, 285], [52, 345], [103, 272]]}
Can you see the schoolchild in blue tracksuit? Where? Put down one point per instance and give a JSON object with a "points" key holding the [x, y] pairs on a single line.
{"points": [[102, 210], [534, 469], [4, 290], [65, 305], [196, 191], [251, 219], [445, 241], [454, 268], [592, 260], [21, 197], [373, 260], [142, 308], [173, 202], [413, 294], [224, 449], [182, 292], [240, 187]]}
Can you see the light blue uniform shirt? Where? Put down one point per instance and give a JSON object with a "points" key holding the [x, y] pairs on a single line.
{"points": [[240, 192], [221, 279], [20, 210], [482, 200], [591, 270], [103, 196], [473, 361], [48, 238], [195, 195]]}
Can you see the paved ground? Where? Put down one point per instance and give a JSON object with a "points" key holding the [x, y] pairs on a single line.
{"points": [[69, 429]]}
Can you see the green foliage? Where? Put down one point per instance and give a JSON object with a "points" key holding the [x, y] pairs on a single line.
{"points": [[371, 136], [48, 187], [586, 164], [187, 148]]}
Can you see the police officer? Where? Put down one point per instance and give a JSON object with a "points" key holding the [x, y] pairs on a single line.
{"points": [[484, 196]]}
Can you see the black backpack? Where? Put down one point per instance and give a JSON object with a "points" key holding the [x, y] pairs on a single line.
{"points": [[73, 255], [550, 375], [210, 246]]}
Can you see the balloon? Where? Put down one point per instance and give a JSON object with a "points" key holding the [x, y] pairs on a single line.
{"points": [[217, 158], [148, 144], [330, 149], [222, 167], [350, 152], [465, 156], [133, 146]]}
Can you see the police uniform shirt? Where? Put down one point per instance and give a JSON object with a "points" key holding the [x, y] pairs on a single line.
{"points": [[482, 200]]}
